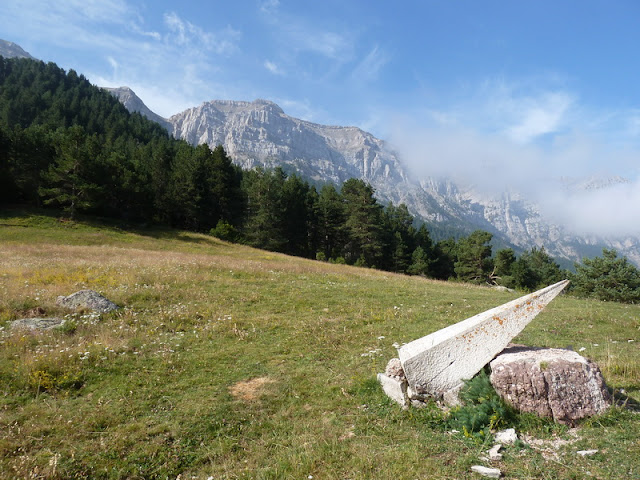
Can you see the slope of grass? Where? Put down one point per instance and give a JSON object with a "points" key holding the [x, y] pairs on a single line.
{"points": [[230, 362]]}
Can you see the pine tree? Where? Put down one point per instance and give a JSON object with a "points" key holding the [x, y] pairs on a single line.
{"points": [[474, 257], [363, 223], [330, 212], [66, 182], [607, 278]]}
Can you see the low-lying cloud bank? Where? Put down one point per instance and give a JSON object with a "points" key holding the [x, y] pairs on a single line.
{"points": [[578, 183]]}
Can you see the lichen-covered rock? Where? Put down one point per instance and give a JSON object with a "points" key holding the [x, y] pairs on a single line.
{"points": [[37, 323], [550, 382], [87, 299]]}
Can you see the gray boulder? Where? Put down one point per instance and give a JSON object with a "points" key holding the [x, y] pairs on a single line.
{"points": [[87, 299], [550, 382], [37, 323]]}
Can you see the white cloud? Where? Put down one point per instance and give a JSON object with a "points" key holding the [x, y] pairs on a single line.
{"points": [[273, 68], [538, 116], [526, 143], [185, 34], [297, 35]]}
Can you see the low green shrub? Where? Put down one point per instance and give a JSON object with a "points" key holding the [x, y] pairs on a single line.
{"points": [[482, 409]]}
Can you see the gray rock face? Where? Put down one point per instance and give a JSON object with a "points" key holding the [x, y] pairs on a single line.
{"points": [[133, 103], [13, 50], [87, 299], [37, 323], [259, 133], [555, 383]]}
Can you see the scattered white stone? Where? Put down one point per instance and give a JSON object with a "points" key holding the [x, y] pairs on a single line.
{"points": [[486, 472], [582, 349], [494, 454], [587, 453], [508, 436]]}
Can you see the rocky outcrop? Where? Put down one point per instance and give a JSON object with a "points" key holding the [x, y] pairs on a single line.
{"points": [[87, 299], [555, 383]]}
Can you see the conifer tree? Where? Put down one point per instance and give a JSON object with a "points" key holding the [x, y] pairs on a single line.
{"points": [[474, 257], [67, 181], [363, 223], [609, 278]]}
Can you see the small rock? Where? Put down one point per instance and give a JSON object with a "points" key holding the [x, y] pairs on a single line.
{"points": [[394, 368], [494, 456], [486, 472], [507, 436], [587, 453], [87, 299], [37, 323]]}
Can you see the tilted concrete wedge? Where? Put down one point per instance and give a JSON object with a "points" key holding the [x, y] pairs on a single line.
{"points": [[439, 362]]}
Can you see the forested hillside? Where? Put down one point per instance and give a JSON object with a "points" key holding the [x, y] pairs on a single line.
{"points": [[67, 144]]}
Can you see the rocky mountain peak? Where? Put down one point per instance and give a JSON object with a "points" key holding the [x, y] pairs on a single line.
{"points": [[13, 50], [133, 103]]}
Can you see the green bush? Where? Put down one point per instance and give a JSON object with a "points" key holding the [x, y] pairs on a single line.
{"points": [[482, 409]]}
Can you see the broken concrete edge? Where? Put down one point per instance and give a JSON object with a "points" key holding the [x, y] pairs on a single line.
{"points": [[396, 389]]}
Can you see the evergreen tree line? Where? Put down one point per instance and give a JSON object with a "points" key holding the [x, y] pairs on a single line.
{"points": [[68, 144]]}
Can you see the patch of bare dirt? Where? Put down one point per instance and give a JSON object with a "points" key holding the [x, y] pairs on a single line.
{"points": [[249, 390]]}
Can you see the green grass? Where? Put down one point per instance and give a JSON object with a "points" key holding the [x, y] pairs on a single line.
{"points": [[230, 362]]}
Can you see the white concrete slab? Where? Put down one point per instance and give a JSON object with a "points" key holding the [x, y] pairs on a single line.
{"points": [[440, 361]]}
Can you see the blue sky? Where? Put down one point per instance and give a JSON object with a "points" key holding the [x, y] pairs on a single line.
{"points": [[500, 92]]}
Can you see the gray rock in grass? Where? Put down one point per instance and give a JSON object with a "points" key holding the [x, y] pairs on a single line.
{"points": [[87, 299]]}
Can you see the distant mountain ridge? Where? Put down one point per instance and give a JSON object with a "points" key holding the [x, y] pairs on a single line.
{"points": [[259, 133]]}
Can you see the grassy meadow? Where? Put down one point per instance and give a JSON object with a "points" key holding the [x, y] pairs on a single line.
{"points": [[228, 362]]}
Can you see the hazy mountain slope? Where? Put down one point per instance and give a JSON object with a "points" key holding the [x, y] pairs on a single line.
{"points": [[260, 133]]}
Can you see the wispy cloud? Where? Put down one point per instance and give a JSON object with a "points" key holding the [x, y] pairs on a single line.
{"points": [[269, 7], [370, 66], [538, 116], [185, 34], [297, 35]]}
